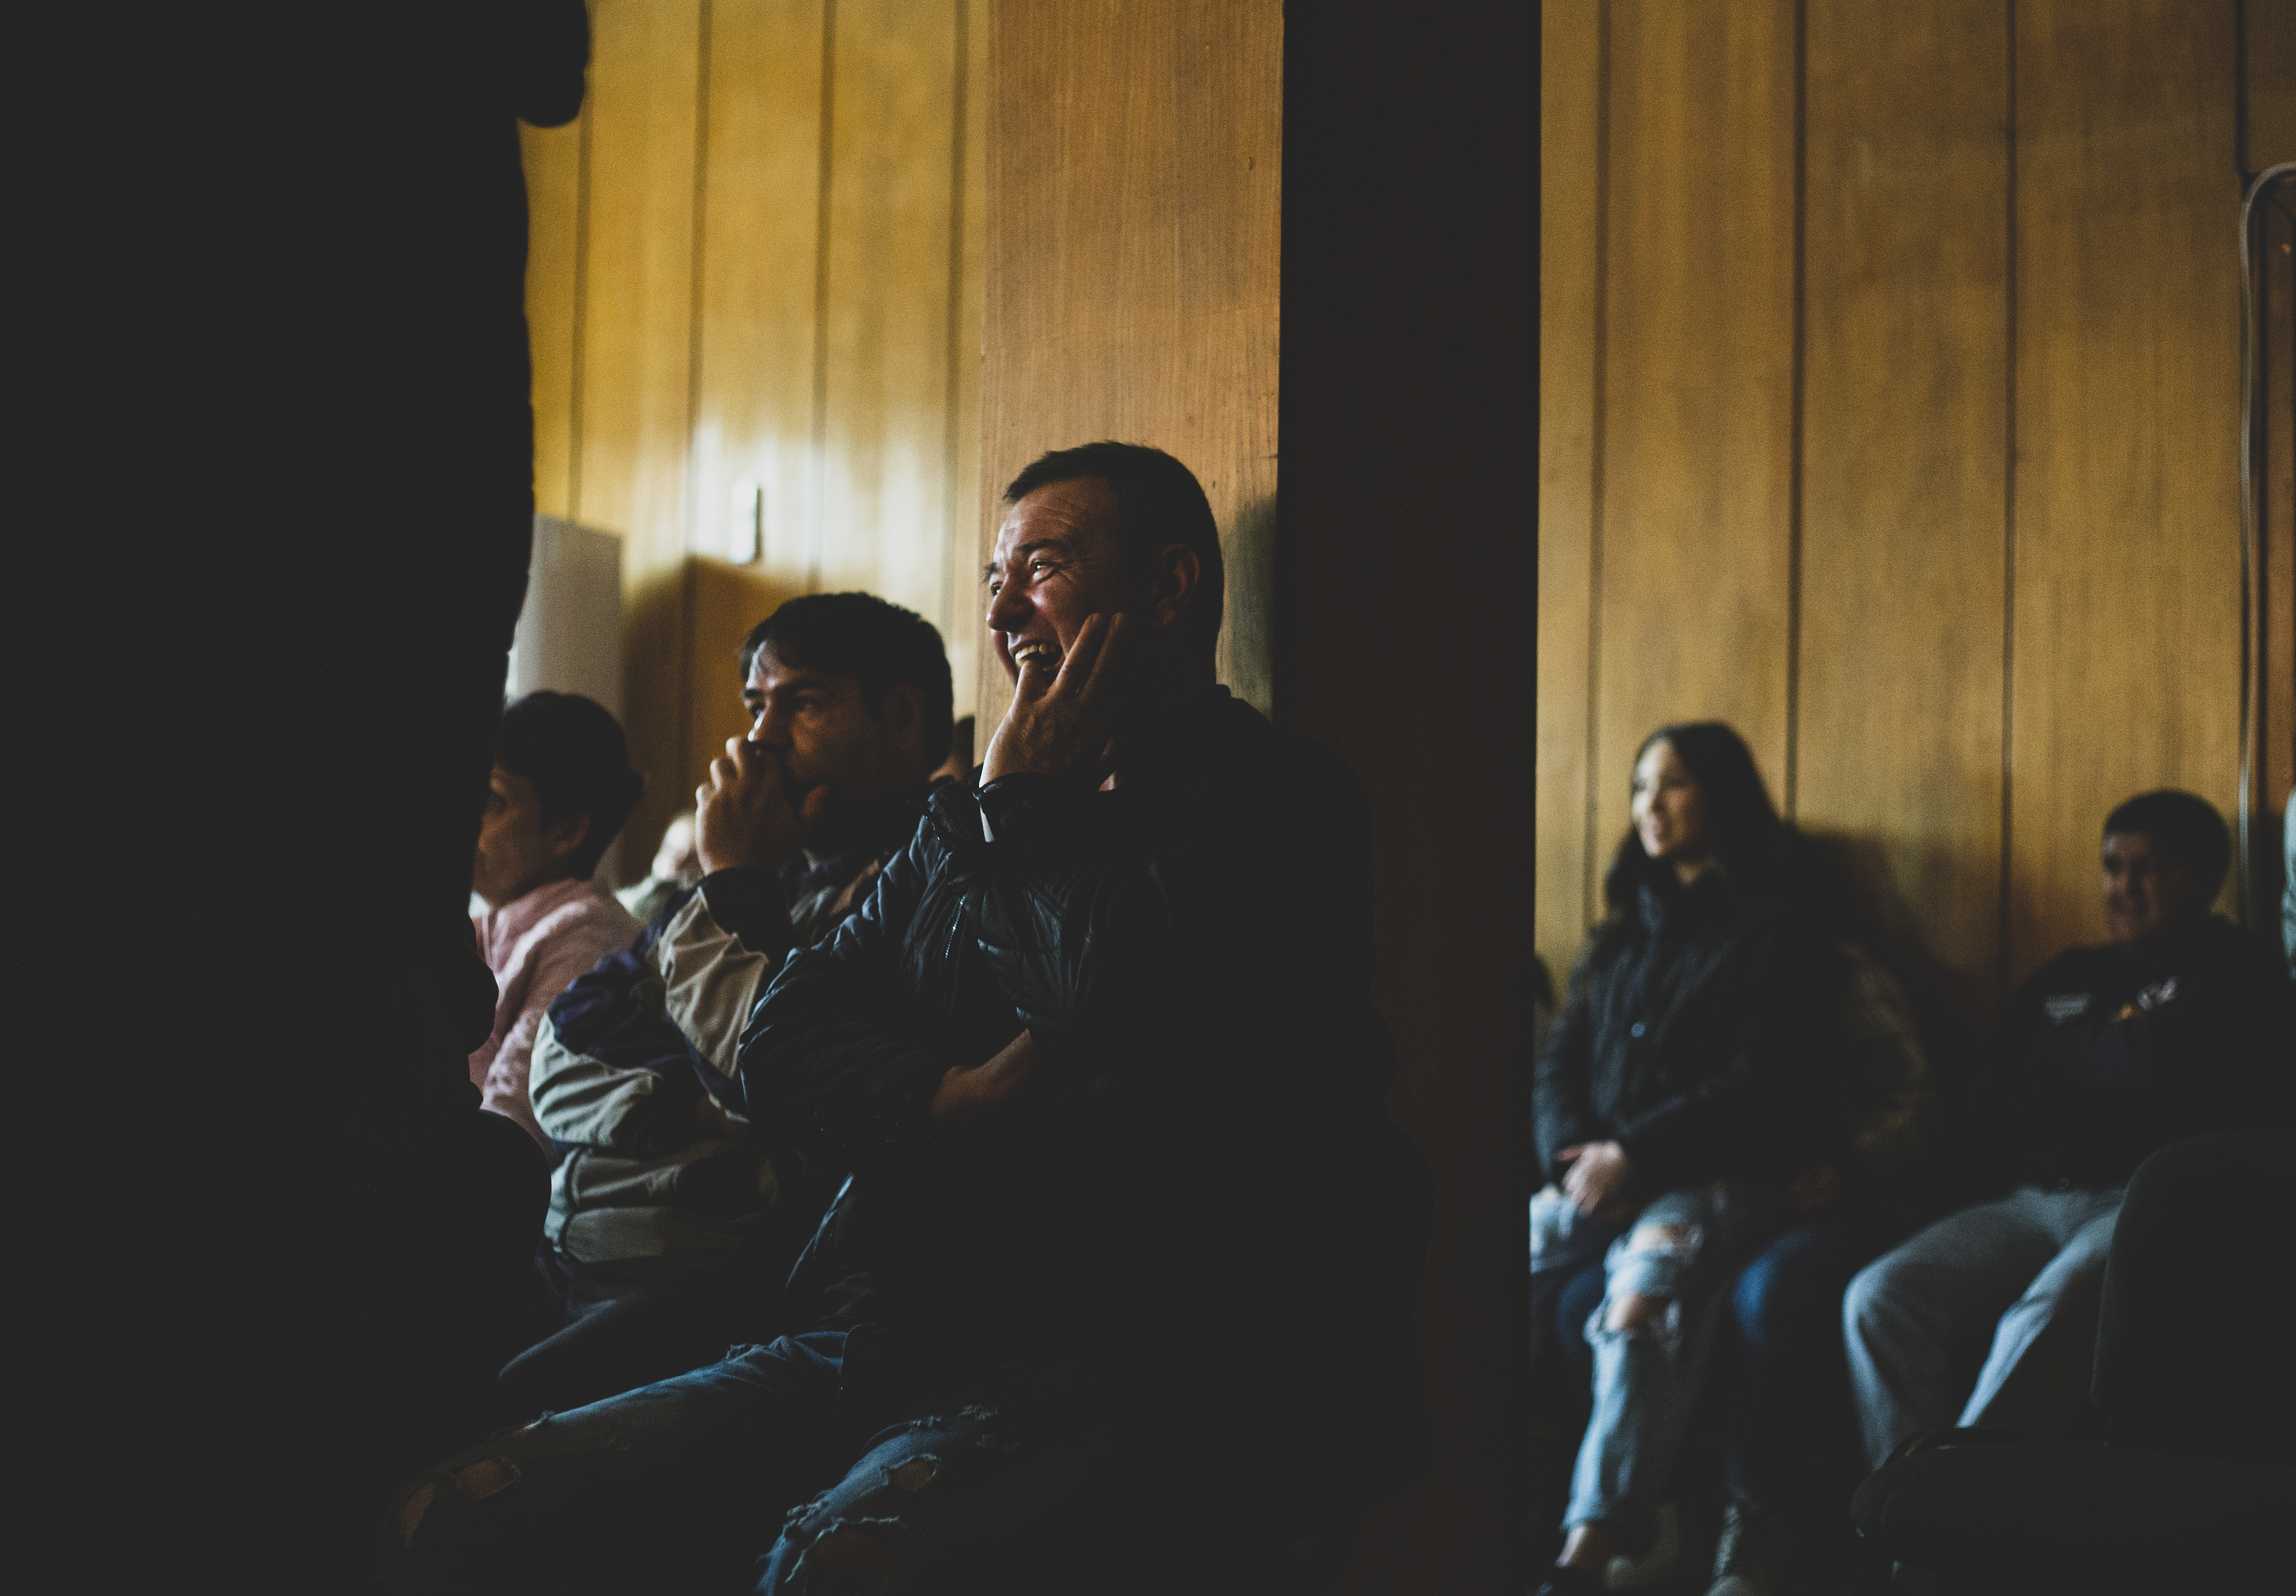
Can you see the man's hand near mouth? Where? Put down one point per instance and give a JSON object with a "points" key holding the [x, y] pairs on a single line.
{"points": [[1063, 721], [744, 814]]}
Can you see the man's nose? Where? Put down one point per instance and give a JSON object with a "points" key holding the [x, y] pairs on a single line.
{"points": [[769, 730], [1005, 610]]}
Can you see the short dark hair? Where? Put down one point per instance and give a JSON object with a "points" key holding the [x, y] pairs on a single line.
{"points": [[573, 751], [1158, 502], [870, 639], [2183, 823]]}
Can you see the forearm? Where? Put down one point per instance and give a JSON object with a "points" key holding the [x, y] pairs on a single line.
{"points": [[712, 977]]}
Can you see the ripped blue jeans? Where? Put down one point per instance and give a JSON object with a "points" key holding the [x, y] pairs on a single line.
{"points": [[1647, 1383], [759, 1473]]}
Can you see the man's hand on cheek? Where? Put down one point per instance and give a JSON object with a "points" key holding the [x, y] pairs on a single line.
{"points": [[1062, 723], [743, 814]]}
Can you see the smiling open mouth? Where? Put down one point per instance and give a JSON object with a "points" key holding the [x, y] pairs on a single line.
{"points": [[1048, 652]]}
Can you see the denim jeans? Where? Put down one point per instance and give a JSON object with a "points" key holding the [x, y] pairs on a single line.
{"points": [[1647, 1384], [1938, 1327], [762, 1472]]}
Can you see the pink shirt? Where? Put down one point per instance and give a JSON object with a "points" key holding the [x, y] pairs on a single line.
{"points": [[536, 945]]}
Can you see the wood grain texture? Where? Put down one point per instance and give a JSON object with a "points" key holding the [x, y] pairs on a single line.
{"points": [[2126, 670], [754, 420], [963, 629], [552, 160], [638, 346], [1904, 507], [2270, 56], [1693, 606], [1132, 267], [1568, 259], [884, 488], [699, 255]]}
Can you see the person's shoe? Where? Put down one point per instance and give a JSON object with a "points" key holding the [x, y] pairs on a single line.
{"points": [[1746, 1557], [1655, 1563]]}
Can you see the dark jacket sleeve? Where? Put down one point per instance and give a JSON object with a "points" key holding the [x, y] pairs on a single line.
{"points": [[835, 1057], [1563, 1104], [1765, 1108], [1237, 947]]}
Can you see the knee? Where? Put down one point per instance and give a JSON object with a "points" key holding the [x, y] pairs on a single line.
{"points": [[1867, 1300]]}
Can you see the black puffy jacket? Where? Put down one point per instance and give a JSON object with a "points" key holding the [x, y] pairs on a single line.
{"points": [[1236, 1208], [1695, 1036]]}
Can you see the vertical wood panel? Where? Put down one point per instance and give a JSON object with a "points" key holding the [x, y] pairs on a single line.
{"points": [[1904, 517], [1693, 604], [637, 332], [552, 160], [1133, 266], [963, 629], [2270, 56], [1570, 157], [2125, 674], [884, 509], [754, 420]]}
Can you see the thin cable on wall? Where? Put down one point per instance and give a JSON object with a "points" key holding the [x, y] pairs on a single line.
{"points": [[2251, 353]]}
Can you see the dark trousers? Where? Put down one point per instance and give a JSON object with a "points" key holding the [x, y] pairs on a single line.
{"points": [[770, 1470]]}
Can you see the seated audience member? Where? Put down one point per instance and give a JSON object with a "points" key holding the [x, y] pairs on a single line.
{"points": [[561, 786], [676, 867], [1681, 1094], [662, 1190], [958, 765], [1123, 1224], [2178, 1026]]}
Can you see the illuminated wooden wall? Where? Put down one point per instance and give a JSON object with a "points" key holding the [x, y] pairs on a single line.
{"points": [[1890, 411], [1134, 257], [757, 257]]}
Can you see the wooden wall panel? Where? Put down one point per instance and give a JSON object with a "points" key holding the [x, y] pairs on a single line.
{"points": [[2270, 58], [636, 363], [1986, 656], [1570, 262], [2125, 670], [885, 489], [1133, 266], [1692, 607], [1903, 488], [754, 420], [679, 285], [963, 629], [552, 160]]}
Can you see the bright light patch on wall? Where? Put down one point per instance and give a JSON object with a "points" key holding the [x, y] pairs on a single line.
{"points": [[745, 523]]}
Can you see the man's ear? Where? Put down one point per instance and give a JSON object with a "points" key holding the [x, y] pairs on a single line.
{"points": [[565, 834], [1174, 583], [902, 715]]}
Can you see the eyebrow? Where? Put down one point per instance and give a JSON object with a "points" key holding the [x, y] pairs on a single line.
{"points": [[988, 571], [795, 682]]}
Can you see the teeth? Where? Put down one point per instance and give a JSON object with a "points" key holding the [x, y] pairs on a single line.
{"points": [[1035, 650]]}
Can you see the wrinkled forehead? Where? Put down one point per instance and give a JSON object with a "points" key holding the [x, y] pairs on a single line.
{"points": [[772, 672], [1079, 514]]}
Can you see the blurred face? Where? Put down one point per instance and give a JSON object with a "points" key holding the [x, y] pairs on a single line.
{"points": [[1670, 814], [516, 852], [819, 723], [1057, 562], [2147, 889], [675, 860]]}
